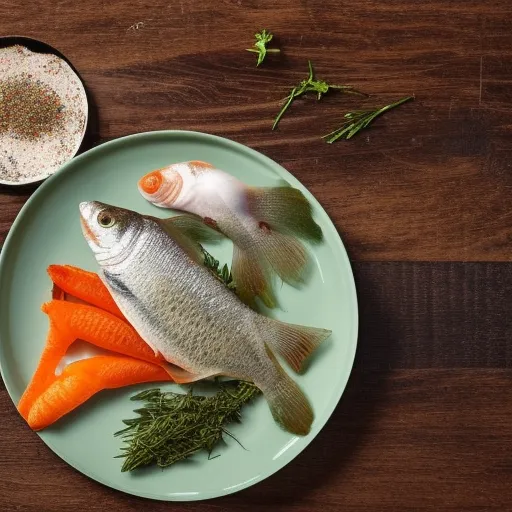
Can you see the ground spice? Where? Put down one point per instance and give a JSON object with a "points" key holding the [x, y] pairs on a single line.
{"points": [[29, 108]]}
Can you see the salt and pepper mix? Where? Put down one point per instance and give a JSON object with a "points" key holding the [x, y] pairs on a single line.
{"points": [[43, 114]]}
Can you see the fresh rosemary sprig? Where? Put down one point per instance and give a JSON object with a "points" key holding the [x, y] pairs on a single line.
{"points": [[311, 84], [359, 119], [173, 426], [260, 46]]}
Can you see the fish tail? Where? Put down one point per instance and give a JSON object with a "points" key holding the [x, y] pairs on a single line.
{"points": [[288, 403], [294, 343], [285, 210]]}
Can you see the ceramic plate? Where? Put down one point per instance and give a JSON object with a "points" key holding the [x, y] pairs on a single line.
{"points": [[48, 231]]}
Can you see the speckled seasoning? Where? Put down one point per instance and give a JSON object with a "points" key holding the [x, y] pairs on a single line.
{"points": [[43, 114]]}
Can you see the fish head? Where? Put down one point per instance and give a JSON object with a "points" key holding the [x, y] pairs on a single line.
{"points": [[162, 187], [110, 231], [169, 186]]}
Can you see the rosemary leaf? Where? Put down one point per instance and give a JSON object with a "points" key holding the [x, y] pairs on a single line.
{"points": [[359, 120], [182, 424]]}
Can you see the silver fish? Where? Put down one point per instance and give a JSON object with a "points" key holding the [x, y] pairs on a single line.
{"points": [[156, 276], [264, 223]]}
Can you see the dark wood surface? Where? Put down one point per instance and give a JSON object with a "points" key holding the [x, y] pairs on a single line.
{"points": [[422, 200]]}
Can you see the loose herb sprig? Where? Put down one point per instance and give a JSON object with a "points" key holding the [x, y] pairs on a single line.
{"points": [[359, 119], [312, 84], [260, 46], [173, 426]]}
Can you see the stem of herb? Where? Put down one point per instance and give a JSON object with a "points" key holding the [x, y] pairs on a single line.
{"points": [[359, 120], [311, 84]]}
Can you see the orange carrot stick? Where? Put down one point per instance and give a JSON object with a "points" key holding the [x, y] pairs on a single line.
{"points": [[84, 285], [100, 328], [82, 379], [57, 343], [70, 321]]}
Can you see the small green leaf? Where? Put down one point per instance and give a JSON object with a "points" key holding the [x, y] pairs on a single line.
{"points": [[260, 46]]}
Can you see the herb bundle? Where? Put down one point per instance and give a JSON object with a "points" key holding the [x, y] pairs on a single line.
{"points": [[173, 426]]}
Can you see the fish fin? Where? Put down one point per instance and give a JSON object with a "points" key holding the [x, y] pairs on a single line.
{"points": [[194, 228], [286, 210], [288, 403], [251, 279], [182, 376], [190, 246], [286, 255], [295, 343]]}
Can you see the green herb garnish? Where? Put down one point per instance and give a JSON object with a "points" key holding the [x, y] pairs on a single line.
{"points": [[260, 46], [311, 84], [223, 273], [173, 426], [359, 119]]}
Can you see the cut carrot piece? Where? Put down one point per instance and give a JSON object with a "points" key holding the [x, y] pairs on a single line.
{"points": [[69, 322], [82, 379], [83, 285], [100, 328], [56, 345]]}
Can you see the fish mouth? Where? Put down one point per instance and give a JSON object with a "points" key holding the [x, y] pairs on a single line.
{"points": [[151, 182], [85, 209]]}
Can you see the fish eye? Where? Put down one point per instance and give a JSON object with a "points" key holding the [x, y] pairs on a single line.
{"points": [[106, 220]]}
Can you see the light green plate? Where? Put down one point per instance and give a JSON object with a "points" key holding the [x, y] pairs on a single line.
{"points": [[48, 231]]}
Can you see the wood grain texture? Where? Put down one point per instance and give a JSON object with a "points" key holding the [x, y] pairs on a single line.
{"points": [[422, 200], [430, 181], [434, 315], [399, 440]]}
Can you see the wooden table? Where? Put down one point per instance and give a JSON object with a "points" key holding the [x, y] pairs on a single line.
{"points": [[422, 201]]}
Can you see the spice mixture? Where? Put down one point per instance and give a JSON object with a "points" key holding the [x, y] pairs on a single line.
{"points": [[43, 114]]}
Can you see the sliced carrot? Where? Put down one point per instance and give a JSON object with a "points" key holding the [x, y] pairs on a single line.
{"points": [[84, 285], [82, 379], [57, 343], [70, 321], [100, 328]]}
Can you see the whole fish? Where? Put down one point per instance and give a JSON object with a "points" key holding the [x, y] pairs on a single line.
{"points": [[156, 276], [264, 223]]}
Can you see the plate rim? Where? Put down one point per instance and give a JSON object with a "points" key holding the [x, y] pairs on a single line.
{"points": [[281, 171]]}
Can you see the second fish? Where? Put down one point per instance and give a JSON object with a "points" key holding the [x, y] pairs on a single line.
{"points": [[264, 223]]}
